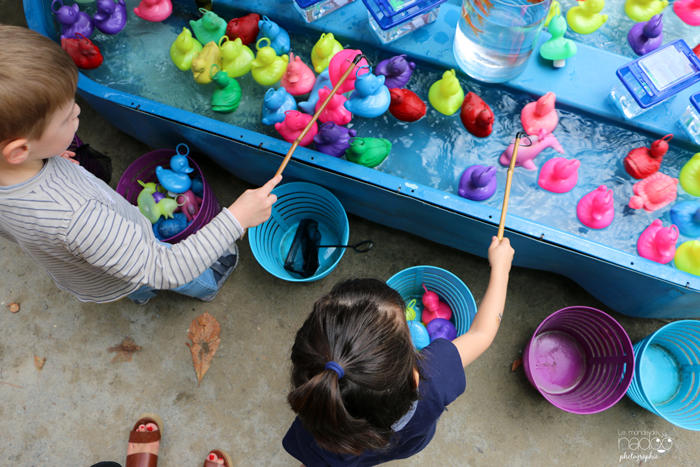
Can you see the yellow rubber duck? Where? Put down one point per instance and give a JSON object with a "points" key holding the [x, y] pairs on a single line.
{"points": [[687, 257], [323, 51], [184, 49], [690, 175], [268, 68], [643, 10], [585, 18], [445, 94], [237, 58], [203, 60]]}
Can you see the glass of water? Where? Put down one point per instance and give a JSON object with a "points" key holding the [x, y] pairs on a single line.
{"points": [[495, 38]]}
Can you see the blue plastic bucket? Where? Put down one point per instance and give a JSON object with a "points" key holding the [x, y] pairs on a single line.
{"points": [[271, 240], [667, 374], [409, 283]]}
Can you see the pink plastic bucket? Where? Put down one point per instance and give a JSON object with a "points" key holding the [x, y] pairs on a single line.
{"points": [[580, 359], [144, 169]]}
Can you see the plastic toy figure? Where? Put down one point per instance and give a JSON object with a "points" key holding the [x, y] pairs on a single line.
{"points": [[268, 68], [189, 204], [203, 60], [84, 53], [642, 162], [324, 49], [298, 79], [198, 186], [585, 18], [596, 210], [397, 71], [406, 105], [540, 115], [477, 116], [341, 62], [175, 179], [244, 28], [654, 192], [369, 152], [434, 307], [446, 94], [686, 215], [184, 49], [72, 20], [148, 206], [557, 48], [322, 80], [154, 10], [237, 58], [554, 9], [646, 37], [278, 37], [110, 17], [478, 182], [292, 126], [335, 110], [527, 153], [559, 175], [688, 11], [658, 243], [370, 98], [643, 10], [440, 328], [168, 228], [209, 28], [419, 335], [275, 104], [688, 257], [333, 139], [690, 176], [227, 95]]}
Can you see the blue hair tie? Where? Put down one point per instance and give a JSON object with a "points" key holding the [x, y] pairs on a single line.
{"points": [[335, 367]]}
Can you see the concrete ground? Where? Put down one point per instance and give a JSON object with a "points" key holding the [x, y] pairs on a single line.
{"points": [[79, 408]]}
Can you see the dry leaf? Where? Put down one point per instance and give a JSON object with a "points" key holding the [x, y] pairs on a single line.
{"points": [[14, 307], [124, 351], [516, 364], [39, 362], [204, 334]]}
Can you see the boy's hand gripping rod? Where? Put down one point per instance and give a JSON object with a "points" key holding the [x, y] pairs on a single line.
{"points": [[509, 180]]}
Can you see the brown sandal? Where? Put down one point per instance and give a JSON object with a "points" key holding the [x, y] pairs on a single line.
{"points": [[221, 455], [144, 459]]}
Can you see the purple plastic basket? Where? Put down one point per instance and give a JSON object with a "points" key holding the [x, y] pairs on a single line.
{"points": [[144, 169], [580, 359]]}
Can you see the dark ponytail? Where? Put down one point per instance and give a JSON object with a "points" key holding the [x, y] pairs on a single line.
{"points": [[361, 326]]}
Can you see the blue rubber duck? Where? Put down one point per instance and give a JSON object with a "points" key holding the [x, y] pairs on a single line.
{"points": [[175, 179], [275, 104], [279, 38], [686, 216], [323, 79], [370, 98]]}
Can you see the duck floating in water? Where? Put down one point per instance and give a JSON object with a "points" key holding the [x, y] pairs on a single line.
{"points": [[110, 17], [204, 60], [559, 175], [557, 48], [643, 10], [686, 215], [406, 105], [292, 126], [227, 95], [527, 153], [335, 110], [688, 11], [585, 18], [433, 307], [333, 139], [154, 10], [298, 79], [72, 20], [687, 257], [690, 175], [237, 59], [642, 162], [646, 37], [446, 94], [540, 115], [176, 179], [369, 152], [184, 49], [279, 38], [654, 192], [596, 209], [322, 80], [84, 53], [209, 28], [658, 243], [397, 71], [148, 207], [324, 49], [275, 104], [268, 68], [478, 182], [476, 115], [244, 28], [340, 63], [370, 98]]}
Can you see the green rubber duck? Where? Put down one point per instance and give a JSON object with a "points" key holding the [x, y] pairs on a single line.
{"points": [[446, 94], [557, 48], [554, 10], [184, 49], [148, 206], [227, 95], [209, 28], [369, 152]]}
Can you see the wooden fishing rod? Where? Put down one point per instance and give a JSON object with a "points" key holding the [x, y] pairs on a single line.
{"points": [[509, 180]]}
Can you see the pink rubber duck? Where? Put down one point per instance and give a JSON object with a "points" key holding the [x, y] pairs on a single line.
{"points": [[154, 10], [688, 11], [658, 243], [654, 192], [339, 63], [527, 153], [559, 175], [292, 126], [298, 79], [596, 209], [335, 111], [434, 307], [189, 204], [540, 115]]}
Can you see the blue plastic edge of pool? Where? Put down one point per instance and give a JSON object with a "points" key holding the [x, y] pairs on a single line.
{"points": [[661, 292]]}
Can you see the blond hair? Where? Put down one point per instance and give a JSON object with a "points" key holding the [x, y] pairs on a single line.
{"points": [[37, 77]]}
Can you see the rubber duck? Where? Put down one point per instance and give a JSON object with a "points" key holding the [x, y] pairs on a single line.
{"points": [[688, 11], [419, 335], [184, 49], [696, 50], [559, 175], [658, 243], [654, 192], [209, 28], [397, 71], [596, 209], [148, 206], [324, 49], [476, 115], [333, 139], [642, 162], [690, 176], [406, 105], [237, 59], [275, 104], [175, 179], [322, 80], [335, 110], [370, 98], [227, 95], [154, 10], [369, 152], [646, 37], [643, 10], [527, 153], [72, 20], [189, 204], [279, 38], [439, 328], [540, 115], [84, 53], [203, 61], [340, 63], [293, 124], [585, 18], [298, 79], [686, 215], [244, 28], [446, 94], [478, 182], [168, 228], [410, 312], [268, 68], [110, 17], [687, 257], [433, 307], [557, 48], [554, 9], [198, 186]]}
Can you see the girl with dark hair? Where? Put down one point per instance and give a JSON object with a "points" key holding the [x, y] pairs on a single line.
{"points": [[361, 393]]}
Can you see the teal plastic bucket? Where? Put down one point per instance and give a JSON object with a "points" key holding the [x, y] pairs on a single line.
{"points": [[271, 240], [667, 374], [409, 283]]}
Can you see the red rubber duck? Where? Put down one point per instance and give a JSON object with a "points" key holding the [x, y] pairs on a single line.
{"points": [[642, 162], [696, 50], [477, 116], [406, 105], [84, 53], [245, 27]]}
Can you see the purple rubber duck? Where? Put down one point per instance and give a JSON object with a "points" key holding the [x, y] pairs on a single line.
{"points": [[397, 71], [478, 182], [647, 36], [72, 20], [333, 139], [110, 17]]}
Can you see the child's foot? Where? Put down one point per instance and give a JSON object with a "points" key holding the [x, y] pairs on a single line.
{"points": [[217, 457], [222, 268], [144, 442]]}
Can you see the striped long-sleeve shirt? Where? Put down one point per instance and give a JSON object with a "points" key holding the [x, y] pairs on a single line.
{"points": [[96, 245]]}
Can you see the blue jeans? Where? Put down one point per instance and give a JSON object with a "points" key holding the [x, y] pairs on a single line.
{"points": [[201, 287]]}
